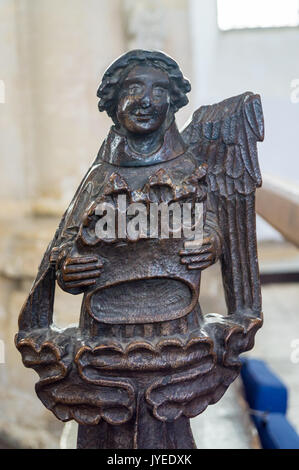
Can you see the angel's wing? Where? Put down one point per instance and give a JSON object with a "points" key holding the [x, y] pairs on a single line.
{"points": [[225, 135]]}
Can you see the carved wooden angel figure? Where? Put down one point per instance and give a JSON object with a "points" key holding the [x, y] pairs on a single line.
{"points": [[144, 358]]}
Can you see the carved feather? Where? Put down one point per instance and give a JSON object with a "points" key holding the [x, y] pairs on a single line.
{"points": [[225, 136]]}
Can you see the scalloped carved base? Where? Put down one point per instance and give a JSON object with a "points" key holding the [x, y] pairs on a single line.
{"points": [[142, 393]]}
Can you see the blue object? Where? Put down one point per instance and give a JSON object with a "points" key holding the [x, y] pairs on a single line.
{"points": [[276, 432], [264, 390]]}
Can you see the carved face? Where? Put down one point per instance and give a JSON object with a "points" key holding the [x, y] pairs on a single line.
{"points": [[143, 100]]}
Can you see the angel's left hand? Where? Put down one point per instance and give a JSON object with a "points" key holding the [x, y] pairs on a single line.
{"points": [[201, 257]]}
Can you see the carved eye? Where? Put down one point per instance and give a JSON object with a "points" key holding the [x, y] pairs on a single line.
{"points": [[158, 91], [135, 89]]}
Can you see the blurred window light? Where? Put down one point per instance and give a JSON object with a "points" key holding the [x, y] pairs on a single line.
{"points": [[243, 14]]}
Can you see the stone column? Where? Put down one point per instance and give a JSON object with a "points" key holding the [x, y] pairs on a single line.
{"points": [[53, 55], [73, 42]]}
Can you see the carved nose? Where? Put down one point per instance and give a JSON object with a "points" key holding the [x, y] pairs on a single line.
{"points": [[145, 102]]}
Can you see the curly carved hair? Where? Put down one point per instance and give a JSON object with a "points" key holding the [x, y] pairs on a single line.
{"points": [[118, 70]]}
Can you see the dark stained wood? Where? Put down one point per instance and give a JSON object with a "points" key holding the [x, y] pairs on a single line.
{"points": [[145, 359], [279, 277]]}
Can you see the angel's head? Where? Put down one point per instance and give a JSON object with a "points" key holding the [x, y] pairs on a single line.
{"points": [[142, 90]]}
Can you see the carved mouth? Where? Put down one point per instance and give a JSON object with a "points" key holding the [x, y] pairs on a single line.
{"points": [[140, 115], [143, 117], [144, 114]]}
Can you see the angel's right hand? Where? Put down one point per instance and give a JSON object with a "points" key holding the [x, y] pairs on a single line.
{"points": [[77, 273]]}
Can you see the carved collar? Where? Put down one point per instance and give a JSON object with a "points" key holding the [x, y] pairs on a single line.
{"points": [[117, 151]]}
